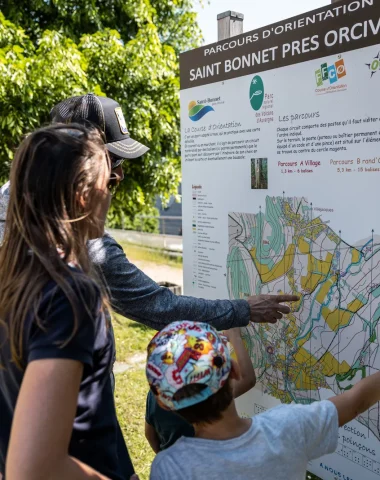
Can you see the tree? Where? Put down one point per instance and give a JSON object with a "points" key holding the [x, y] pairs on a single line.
{"points": [[174, 19], [32, 78], [127, 50]]}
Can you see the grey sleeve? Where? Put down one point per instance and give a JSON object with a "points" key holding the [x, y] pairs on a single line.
{"points": [[321, 429], [138, 297], [313, 428]]}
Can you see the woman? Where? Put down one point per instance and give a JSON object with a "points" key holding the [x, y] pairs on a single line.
{"points": [[58, 416]]}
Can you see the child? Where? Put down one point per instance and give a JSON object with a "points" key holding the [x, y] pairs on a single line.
{"points": [[277, 444], [163, 427], [58, 416]]}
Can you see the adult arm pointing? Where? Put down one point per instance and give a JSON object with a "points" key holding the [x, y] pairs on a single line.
{"points": [[138, 297]]}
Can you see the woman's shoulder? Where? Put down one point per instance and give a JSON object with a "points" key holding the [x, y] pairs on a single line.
{"points": [[69, 320], [75, 291], [64, 319]]}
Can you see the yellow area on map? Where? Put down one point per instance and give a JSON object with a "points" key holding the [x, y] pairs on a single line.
{"points": [[306, 361], [291, 329], [305, 381], [317, 270], [329, 364], [337, 318], [270, 274], [314, 228], [333, 237], [290, 215], [303, 245], [355, 255], [355, 305], [284, 397], [302, 341], [324, 290], [303, 357]]}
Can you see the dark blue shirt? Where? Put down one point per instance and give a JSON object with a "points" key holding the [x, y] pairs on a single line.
{"points": [[96, 439], [168, 425]]}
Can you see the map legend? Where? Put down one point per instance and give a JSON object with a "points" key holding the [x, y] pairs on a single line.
{"points": [[203, 240]]}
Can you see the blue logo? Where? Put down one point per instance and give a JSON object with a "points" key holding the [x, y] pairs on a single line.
{"points": [[196, 111]]}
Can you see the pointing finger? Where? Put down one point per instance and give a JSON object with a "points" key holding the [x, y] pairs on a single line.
{"points": [[286, 298], [282, 308]]}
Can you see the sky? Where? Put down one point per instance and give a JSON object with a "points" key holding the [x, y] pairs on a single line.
{"points": [[257, 13]]}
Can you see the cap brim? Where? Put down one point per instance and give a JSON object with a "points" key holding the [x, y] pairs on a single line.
{"points": [[127, 148]]}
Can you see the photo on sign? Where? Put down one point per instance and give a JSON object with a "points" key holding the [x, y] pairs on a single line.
{"points": [[259, 174]]}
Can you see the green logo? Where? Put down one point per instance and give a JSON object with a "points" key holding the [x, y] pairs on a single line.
{"points": [[256, 93], [374, 66]]}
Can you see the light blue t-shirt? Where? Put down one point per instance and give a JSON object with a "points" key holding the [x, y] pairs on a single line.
{"points": [[278, 445]]}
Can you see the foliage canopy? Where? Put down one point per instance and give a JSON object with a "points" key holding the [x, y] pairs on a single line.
{"points": [[127, 50]]}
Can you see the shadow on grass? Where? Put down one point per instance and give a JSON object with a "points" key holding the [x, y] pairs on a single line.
{"points": [[131, 324], [131, 337]]}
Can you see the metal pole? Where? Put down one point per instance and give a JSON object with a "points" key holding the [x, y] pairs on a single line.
{"points": [[230, 24]]}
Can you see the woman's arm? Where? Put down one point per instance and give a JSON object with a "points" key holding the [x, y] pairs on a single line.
{"points": [[43, 423], [247, 373]]}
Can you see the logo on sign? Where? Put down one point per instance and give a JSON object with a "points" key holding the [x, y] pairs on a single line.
{"points": [[198, 111], [374, 66], [330, 73], [256, 93]]}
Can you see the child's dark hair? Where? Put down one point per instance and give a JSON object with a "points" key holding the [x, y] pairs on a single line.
{"points": [[208, 411]]}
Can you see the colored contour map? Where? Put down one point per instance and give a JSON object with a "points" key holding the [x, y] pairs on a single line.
{"points": [[331, 337]]}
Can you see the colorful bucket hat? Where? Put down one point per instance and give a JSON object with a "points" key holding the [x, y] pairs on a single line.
{"points": [[186, 353]]}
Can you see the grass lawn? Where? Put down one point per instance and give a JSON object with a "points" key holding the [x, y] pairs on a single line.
{"points": [[131, 337], [131, 391], [137, 253]]}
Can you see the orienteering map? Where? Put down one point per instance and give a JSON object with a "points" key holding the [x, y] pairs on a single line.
{"points": [[330, 340]]}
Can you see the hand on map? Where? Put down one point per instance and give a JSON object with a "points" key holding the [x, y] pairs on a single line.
{"points": [[269, 308]]}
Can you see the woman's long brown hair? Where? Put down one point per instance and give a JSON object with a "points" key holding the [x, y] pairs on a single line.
{"points": [[47, 226]]}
